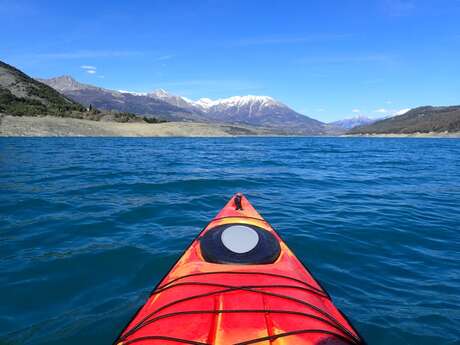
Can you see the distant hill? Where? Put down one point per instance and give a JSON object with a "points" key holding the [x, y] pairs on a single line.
{"points": [[423, 119], [22, 95], [352, 122], [260, 111]]}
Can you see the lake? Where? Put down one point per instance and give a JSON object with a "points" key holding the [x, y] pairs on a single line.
{"points": [[89, 225]]}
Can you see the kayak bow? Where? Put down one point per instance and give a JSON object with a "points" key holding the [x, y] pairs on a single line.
{"points": [[238, 283]]}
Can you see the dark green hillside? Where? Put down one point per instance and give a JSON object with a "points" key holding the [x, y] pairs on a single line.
{"points": [[22, 95], [418, 120]]}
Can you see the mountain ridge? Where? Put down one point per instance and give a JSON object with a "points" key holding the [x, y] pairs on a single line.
{"points": [[261, 111], [110, 100]]}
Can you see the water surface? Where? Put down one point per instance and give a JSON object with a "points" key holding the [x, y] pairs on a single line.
{"points": [[89, 226]]}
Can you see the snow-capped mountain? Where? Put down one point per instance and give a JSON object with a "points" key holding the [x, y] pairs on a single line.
{"points": [[251, 110], [250, 105], [352, 122], [262, 111]]}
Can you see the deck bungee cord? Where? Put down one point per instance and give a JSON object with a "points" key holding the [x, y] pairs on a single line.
{"points": [[238, 283]]}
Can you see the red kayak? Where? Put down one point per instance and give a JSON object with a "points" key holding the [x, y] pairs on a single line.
{"points": [[239, 283]]}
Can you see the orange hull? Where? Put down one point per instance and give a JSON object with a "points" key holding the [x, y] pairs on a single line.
{"points": [[205, 299]]}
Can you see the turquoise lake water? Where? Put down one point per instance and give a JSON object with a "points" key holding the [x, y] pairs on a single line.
{"points": [[88, 227]]}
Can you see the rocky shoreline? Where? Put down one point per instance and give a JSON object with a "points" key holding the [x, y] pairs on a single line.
{"points": [[50, 126]]}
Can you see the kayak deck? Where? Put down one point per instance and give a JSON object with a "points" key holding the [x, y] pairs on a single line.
{"points": [[202, 302]]}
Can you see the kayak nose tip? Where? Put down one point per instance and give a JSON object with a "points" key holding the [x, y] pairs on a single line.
{"points": [[237, 200]]}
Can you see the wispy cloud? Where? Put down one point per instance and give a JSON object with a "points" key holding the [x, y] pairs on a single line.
{"points": [[356, 111], [381, 111], [212, 83], [164, 57], [89, 69], [398, 8], [373, 81], [280, 40], [89, 54], [15, 8], [341, 59]]}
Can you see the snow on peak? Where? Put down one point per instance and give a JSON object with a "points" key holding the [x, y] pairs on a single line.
{"points": [[401, 112], [160, 93], [164, 95], [248, 99], [237, 101], [133, 93], [205, 102]]}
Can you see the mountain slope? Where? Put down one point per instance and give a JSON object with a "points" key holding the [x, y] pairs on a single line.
{"points": [[100, 98], [352, 122], [260, 111], [177, 101], [66, 83], [422, 119], [22, 95]]}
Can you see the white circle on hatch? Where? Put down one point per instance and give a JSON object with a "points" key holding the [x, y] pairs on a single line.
{"points": [[239, 238]]}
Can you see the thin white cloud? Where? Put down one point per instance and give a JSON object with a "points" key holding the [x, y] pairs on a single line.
{"points": [[89, 69], [15, 8], [164, 57], [356, 111], [237, 84], [340, 59], [277, 40], [398, 8], [88, 54], [381, 111]]}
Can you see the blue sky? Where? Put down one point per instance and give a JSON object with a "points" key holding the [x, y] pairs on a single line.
{"points": [[326, 59]]}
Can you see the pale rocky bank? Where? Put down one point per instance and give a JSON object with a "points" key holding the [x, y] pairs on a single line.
{"points": [[29, 126]]}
